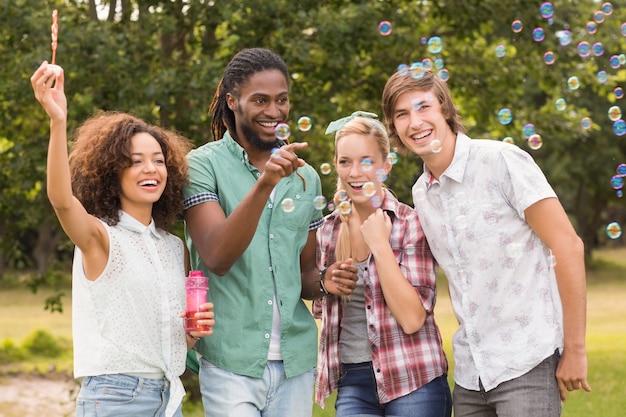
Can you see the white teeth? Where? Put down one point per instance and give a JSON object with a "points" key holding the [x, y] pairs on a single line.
{"points": [[356, 184], [268, 124], [422, 136], [148, 182]]}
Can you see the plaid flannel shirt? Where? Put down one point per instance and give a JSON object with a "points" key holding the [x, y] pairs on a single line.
{"points": [[402, 362]]}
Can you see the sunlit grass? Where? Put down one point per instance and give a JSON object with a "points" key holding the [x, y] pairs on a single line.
{"points": [[22, 313], [606, 339]]}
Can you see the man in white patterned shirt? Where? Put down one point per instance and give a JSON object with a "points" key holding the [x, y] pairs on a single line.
{"points": [[513, 260]]}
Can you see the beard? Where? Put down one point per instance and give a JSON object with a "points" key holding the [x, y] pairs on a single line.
{"points": [[255, 140]]}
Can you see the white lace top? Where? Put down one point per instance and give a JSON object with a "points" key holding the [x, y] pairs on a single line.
{"points": [[127, 320]]}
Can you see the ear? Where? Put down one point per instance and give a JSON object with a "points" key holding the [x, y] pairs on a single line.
{"points": [[231, 102], [387, 165]]}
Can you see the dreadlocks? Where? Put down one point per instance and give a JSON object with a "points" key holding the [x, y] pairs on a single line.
{"points": [[241, 67]]}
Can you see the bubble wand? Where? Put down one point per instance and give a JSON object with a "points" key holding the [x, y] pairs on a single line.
{"points": [[54, 34]]}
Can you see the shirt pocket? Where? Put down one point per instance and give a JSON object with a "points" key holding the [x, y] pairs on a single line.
{"points": [[296, 211]]}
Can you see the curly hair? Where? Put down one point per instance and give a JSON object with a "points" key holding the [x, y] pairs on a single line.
{"points": [[101, 150]]}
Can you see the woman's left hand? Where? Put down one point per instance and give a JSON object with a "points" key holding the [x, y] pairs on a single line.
{"points": [[206, 319], [376, 229]]}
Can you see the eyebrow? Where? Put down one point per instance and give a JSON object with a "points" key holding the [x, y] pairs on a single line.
{"points": [[153, 153], [419, 104], [260, 94], [360, 156]]}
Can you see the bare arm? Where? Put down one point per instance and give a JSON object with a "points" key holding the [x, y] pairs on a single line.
{"points": [[548, 219], [400, 296], [84, 230], [340, 278], [221, 240]]}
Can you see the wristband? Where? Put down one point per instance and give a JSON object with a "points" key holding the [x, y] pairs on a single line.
{"points": [[323, 289]]}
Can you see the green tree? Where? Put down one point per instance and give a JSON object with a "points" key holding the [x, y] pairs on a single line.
{"points": [[162, 60]]}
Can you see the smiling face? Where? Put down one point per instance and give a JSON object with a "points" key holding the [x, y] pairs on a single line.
{"points": [[261, 104], [420, 124], [359, 161], [142, 183]]}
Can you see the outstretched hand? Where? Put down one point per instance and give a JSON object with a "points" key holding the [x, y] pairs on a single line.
{"points": [[49, 91]]}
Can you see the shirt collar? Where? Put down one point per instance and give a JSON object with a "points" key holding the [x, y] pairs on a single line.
{"points": [[390, 204], [456, 169], [236, 149], [130, 223]]}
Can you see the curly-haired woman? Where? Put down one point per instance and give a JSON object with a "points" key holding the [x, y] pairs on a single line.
{"points": [[114, 195]]}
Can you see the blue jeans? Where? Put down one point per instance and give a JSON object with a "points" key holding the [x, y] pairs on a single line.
{"points": [[357, 396], [122, 395], [226, 394], [534, 394]]}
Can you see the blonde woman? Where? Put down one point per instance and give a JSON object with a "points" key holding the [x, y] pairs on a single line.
{"points": [[380, 347]]}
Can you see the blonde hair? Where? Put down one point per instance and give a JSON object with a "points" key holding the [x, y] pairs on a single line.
{"points": [[368, 128]]}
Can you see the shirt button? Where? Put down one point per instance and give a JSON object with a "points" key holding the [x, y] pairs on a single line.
{"points": [[271, 235], [258, 174], [270, 205], [298, 196], [267, 336], [270, 302]]}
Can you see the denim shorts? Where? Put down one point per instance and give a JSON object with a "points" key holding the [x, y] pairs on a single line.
{"points": [[357, 396], [534, 394], [120, 395], [274, 395]]}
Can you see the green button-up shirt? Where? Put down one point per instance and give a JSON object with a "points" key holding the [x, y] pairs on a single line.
{"points": [[243, 298]]}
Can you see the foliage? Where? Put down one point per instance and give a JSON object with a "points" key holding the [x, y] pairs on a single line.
{"points": [[162, 60], [39, 344], [10, 352], [42, 343]]}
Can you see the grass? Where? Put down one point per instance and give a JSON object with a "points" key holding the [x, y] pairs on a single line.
{"points": [[606, 339], [22, 313]]}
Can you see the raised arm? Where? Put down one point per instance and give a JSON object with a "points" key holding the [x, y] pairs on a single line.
{"points": [[219, 239], [84, 230]]}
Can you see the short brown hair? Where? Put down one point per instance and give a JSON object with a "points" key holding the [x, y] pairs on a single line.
{"points": [[399, 83]]}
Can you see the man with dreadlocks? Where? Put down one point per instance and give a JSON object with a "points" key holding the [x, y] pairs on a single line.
{"points": [[250, 225]]}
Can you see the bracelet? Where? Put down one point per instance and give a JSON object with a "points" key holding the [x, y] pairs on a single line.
{"points": [[323, 289], [195, 339]]}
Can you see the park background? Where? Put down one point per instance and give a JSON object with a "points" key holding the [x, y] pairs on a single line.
{"points": [[162, 60]]}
